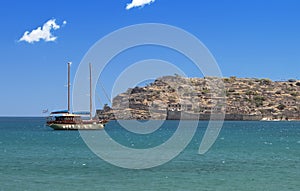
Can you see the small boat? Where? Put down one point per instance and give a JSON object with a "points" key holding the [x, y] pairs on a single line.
{"points": [[65, 120]]}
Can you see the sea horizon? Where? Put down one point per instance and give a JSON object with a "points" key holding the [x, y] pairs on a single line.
{"points": [[150, 95]]}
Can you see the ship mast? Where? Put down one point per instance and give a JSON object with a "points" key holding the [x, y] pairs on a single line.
{"points": [[69, 85], [91, 101]]}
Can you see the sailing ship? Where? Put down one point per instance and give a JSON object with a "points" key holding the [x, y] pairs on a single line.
{"points": [[66, 120]]}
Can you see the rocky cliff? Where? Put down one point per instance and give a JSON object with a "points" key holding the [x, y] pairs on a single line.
{"points": [[247, 98]]}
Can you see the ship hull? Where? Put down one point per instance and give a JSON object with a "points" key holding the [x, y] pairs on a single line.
{"points": [[97, 126]]}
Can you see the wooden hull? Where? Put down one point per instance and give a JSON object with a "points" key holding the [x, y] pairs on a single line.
{"points": [[96, 126]]}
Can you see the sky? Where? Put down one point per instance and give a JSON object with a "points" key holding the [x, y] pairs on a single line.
{"points": [[247, 38]]}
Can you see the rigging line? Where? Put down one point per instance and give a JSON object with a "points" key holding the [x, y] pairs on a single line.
{"points": [[98, 98], [103, 89]]}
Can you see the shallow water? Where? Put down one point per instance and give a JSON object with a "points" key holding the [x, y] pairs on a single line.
{"points": [[246, 156]]}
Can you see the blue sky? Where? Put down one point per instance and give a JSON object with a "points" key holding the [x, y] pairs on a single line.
{"points": [[248, 39]]}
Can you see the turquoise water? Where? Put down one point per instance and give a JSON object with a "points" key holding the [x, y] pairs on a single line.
{"points": [[246, 156]]}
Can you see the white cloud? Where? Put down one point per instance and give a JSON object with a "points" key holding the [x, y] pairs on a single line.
{"points": [[138, 3], [42, 33]]}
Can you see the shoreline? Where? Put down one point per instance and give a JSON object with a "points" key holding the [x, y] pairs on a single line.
{"points": [[263, 120]]}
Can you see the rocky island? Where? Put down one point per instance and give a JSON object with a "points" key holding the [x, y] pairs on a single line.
{"points": [[176, 97]]}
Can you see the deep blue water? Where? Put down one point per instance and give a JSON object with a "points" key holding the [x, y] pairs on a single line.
{"points": [[246, 156]]}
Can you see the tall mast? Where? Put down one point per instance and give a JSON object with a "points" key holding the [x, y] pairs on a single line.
{"points": [[91, 101], [69, 85]]}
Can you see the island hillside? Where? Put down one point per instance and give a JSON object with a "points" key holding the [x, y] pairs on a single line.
{"points": [[239, 98]]}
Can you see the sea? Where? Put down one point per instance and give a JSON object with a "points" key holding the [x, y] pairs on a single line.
{"points": [[246, 156]]}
